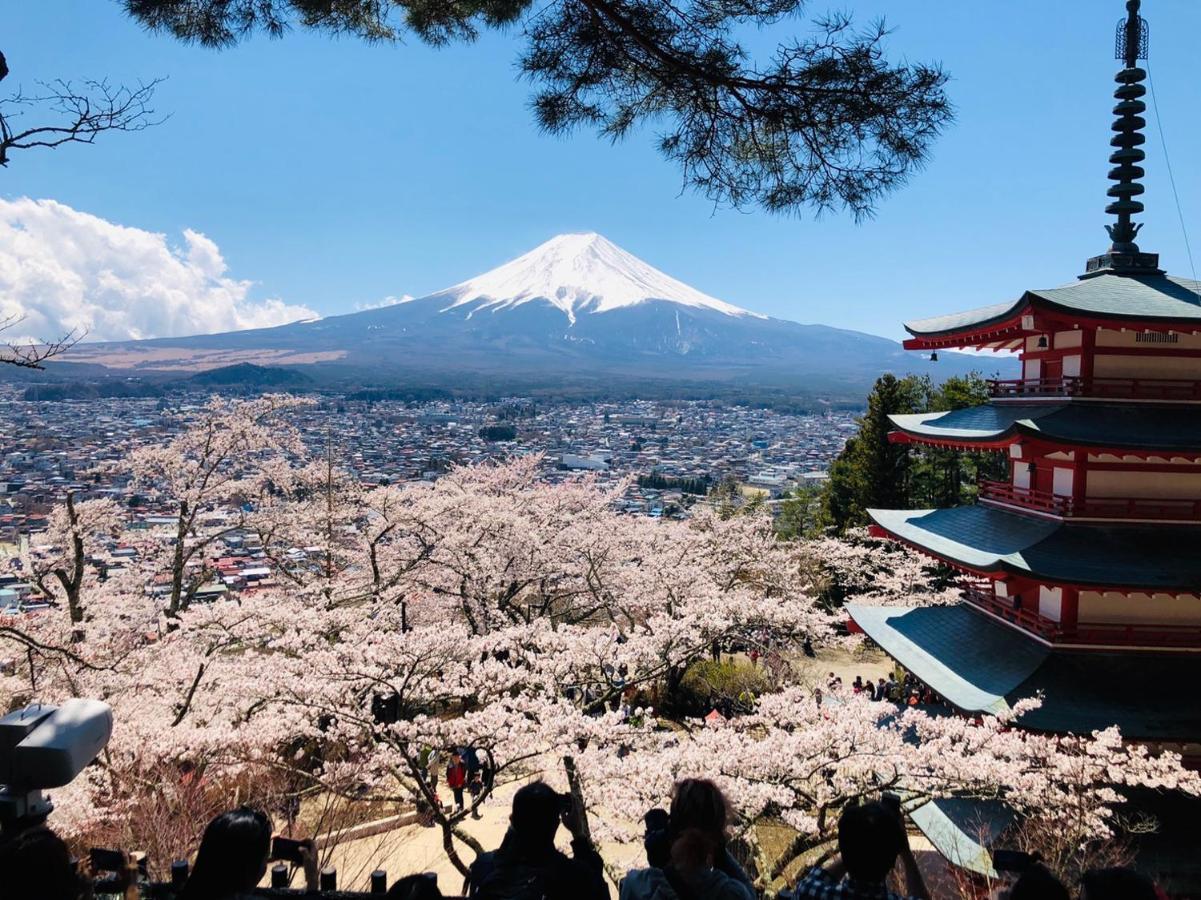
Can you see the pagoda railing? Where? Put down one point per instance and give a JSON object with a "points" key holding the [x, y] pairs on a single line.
{"points": [[1028, 498], [981, 594], [1182, 390], [1167, 510]]}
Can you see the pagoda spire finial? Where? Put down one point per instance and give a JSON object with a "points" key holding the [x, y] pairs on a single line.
{"points": [[1124, 256]]}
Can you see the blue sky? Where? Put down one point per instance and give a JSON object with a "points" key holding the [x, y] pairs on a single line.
{"points": [[330, 173]]}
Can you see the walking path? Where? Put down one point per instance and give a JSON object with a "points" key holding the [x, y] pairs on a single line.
{"points": [[413, 848]]}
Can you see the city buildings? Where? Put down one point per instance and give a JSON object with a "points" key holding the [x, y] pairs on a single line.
{"points": [[51, 448]]}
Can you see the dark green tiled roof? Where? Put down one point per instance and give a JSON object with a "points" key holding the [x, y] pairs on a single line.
{"points": [[956, 826], [970, 319], [1089, 424], [1160, 297], [981, 665], [992, 540]]}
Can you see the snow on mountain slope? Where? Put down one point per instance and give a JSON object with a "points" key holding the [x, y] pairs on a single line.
{"points": [[535, 322], [580, 273]]}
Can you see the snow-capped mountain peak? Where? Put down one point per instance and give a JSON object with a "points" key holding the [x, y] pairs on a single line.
{"points": [[580, 273]]}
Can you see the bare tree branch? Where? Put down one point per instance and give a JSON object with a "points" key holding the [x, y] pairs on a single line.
{"points": [[67, 113], [31, 354], [72, 115]]}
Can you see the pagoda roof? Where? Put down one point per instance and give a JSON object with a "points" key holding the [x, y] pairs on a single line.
{"points": [[956, 826], [1150, 297], [981, 665], [1118, 425], [994, 541], [963, 830]]}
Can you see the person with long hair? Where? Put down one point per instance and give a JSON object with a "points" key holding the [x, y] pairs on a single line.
{"points": [[233, 857], [686, 850], [871, 838]]}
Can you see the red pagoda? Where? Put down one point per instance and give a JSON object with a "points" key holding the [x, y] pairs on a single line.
{"points": [[1083, 568]]}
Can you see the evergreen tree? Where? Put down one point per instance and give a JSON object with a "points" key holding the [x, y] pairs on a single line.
{"points": [[823, 122], [800, 513], [871, 471], [944, 477], [498, 433]]}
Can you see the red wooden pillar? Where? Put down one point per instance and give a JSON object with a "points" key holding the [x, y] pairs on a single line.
{"points": [[1069, 609], [1088, 347], [1079, 480]]}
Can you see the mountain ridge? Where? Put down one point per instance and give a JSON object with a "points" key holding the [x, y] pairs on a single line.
{"points": [[576, 306]]}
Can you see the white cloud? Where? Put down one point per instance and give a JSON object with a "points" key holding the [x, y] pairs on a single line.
{"points": [[65, 270], [387, 301]]}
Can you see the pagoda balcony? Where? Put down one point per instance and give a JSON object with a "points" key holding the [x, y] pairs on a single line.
{"points": [[1164, 389], [1091, 634], [1117, 508]]}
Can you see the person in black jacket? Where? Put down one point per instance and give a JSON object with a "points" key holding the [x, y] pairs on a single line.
{"points": [[527, 866], [37, 863]]}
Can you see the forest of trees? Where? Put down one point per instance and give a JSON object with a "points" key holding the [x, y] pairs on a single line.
{"points": [[498, 432], [698, 486]]}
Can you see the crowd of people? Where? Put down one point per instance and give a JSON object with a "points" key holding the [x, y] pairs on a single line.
{"points": [[687, 851], [908, 690], [464, 773]]}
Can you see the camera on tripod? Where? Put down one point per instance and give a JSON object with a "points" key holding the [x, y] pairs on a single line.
{"points": [[45, 747]]}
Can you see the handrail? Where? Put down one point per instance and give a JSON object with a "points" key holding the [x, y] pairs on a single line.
{"points": [[1005, 492], [1112, 388], [1030, 620], [1165, 509], [982, 595]]}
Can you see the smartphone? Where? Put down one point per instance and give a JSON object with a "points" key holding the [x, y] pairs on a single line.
{"points": [[103, 860], [1011, 861], [891, 800], [287, 850]]}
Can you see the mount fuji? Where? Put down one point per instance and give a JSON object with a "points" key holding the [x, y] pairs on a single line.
{"points": [[577, 309], [584, 273]]}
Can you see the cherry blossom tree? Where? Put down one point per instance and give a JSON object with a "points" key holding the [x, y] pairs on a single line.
{"points": [[210, 468], [881, 572], [801, 760], [492, 610], [60, 561]]}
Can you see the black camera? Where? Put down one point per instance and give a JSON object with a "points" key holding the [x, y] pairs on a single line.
{"points": [[287, 850], [1014, 861]]}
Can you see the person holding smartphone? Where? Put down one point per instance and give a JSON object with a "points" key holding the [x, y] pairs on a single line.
{"points": [[871, 838], [234, 853], [527, 866]]}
